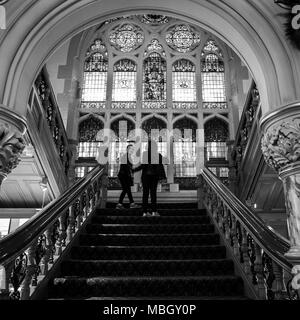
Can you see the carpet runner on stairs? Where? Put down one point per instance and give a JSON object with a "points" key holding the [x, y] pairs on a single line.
{"points": [[122, 254]]}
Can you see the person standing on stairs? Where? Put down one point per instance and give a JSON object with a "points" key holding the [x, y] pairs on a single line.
{"points": [[152, 171], [125, 176]]}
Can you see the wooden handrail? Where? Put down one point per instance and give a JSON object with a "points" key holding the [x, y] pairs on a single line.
{"points": [[17, 242]]}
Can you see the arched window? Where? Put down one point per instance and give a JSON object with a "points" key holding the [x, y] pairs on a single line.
{"points": [[216, 135], [154, 82], [124, 85], [95, 76], [213, 77], [183, 82], [88, 143], [185, 148], [121, 129]]}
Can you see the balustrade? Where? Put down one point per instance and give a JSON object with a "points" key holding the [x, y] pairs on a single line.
{"points": [[258, 250], [248, 118], [52, 114], [28, 254]]}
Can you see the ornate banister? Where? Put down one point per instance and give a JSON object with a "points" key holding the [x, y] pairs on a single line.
{"points": [[257, 248], [46, 95], [27, 254]]}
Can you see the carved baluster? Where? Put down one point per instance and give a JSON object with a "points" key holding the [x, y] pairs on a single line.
{"points": [[18, 275], [220, 215], [61, 242], [71, 226], [40, 252], [80, 212], [226, 223], [234, 238], [31, 269], [244, 250], [48, 252], [259, 270], [278, 283]]}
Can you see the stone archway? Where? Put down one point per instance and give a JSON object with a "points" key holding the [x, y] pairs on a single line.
{"points": [[43, 27]]}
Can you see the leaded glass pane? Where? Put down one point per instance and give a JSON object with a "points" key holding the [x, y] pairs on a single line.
{"points": [[184, 148], [213, 87], [95, 73], [184, 81], [154, 79], [216, 150], [94, 88], [88, 149], [79, 172], [124, 83]]}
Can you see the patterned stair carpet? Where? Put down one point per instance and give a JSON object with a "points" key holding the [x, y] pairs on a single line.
{"points": [[124, 255]]}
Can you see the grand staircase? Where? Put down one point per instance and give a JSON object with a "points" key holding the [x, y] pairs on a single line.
{"points": [[122, 255]]}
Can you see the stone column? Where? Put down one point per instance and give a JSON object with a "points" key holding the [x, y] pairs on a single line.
{"points": [[12, 144], [281, 149]]}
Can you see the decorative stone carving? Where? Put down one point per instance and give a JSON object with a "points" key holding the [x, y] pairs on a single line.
{"points": [[281, 143], [12, 144], [281, 149]]}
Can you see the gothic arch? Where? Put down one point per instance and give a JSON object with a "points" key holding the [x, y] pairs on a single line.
{"points": [[44, 26]]}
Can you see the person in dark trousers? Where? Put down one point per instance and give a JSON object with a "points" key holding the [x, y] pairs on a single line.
{"points": [[125, 176], [152, 171]]}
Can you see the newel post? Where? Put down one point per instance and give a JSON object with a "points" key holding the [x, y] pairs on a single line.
{"points": [[281, 149], [12, 129]]}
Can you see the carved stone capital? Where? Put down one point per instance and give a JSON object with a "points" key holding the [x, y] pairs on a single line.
{"points": [[12, 144], [281, 137]]}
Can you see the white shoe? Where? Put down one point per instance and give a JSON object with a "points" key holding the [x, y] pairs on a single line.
{"points": [[146, 214], [119, 206], [155, 214]]}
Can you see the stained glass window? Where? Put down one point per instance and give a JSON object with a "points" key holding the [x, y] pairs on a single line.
{"points": [[213, 77], [154, 81], [95, 73], [88, 144], [184, 81], [183, 38], [126, 37], [184, 148], [216, 134], [124, 83]]}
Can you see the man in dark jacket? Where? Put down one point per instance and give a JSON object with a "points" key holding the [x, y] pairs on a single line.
{"points": [[152, 171], [125, 176]]}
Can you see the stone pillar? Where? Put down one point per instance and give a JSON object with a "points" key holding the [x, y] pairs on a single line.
{"points": [[12, 144], [281, 149]]}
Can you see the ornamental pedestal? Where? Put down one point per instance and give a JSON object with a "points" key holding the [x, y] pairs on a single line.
{"points": [[12, 144], [281, 149]]}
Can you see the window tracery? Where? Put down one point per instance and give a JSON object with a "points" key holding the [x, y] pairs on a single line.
{"points": [[126, 37], [183, 38]]}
